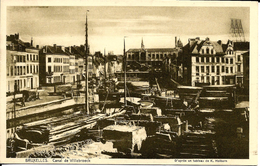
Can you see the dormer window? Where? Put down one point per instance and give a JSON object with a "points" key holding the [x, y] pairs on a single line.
{"points": [[207, 50], [202, 51]]}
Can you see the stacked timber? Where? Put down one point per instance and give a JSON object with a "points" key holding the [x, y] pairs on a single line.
{"points": [[218, 96]]}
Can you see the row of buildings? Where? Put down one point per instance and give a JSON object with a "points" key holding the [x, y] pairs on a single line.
{"points": [[30, 67], [199, 62]]}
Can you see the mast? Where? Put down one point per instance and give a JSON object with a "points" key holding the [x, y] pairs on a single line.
{"points": [[125, 74], [86, 67], [105, 66]]}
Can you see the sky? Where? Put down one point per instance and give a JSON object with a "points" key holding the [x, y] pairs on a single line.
{"points": [[109, 25]]}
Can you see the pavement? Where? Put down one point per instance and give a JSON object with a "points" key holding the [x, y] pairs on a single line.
{"points": [[43, 99]]}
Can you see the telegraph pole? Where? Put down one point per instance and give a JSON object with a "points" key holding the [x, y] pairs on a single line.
{"points": [[86, 67]]}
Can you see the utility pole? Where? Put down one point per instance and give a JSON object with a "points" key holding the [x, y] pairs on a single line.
{"points": [[125, 74], [86, 67]]}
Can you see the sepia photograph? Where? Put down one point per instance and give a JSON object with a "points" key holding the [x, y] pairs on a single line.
{"points": [[96, 83]]}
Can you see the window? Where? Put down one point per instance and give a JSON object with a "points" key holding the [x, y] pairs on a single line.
{"points": [[238, 58], [30, 57], [27, 69], [223, 80], [212, 51], [231, 60], [231, 69], [12, 71], [23, 70], [207, 81], [223, 60], [30, 68], [217, 80], [218, 70], [202, 79], [34, 57], [213, 59], [17, 70], [49, 59], [202, 51], [202, 59], [213, 80], [213, 69], [207, 59], [217, 59], [49, 69], [227, 70], [27, 57], [223, 69], [207, 69], [157, 56], [202, 69], [207, 50], [161, 56], [49, 80], [226, 60], [197, 70], [238, 68], [37, 57], [197, 59]]}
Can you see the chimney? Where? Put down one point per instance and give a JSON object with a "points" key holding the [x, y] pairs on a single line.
{"points": [[55, 47], [37, 46], [197, 39], [16, 36], [32, 41], [175, 41]]}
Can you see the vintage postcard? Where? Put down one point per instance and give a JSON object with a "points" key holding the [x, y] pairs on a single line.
{"points": [[154, 82]]}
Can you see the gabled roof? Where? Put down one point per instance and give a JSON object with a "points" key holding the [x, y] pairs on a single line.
{"points": [[218, 48], [195, 46], [55, 50]]}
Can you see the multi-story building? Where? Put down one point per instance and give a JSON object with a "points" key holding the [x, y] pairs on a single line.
{"points": [[239, 49], [54, 65], [79, 53], [208, 62], [144, 63], [22, 64]]}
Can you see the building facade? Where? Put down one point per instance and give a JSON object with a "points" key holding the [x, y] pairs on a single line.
{"points": [[240, 48], [54, 65], [208, 62], [22, 64], [147, 63]]}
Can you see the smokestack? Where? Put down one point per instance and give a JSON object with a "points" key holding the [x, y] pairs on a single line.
{"points": [[32, 41], [175, 41]]}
